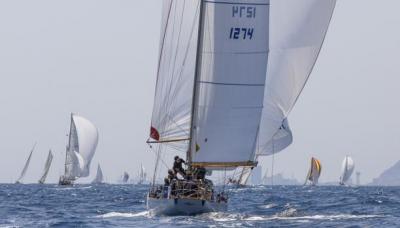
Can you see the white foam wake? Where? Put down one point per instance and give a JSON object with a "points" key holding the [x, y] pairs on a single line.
{"points": [[124, 215]]}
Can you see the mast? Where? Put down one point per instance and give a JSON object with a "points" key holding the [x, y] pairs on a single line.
{"points": [[69, 145], [192, 143]]}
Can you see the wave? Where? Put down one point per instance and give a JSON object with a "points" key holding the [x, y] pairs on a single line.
{"points": [[289, 214], [124, 215], [313, 217]]}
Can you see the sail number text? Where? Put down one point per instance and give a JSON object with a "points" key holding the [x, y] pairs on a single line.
{"points": [[241, 33], [246, 12]]}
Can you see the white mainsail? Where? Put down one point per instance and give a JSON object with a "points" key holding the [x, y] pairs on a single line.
{"points": [[229, 89], [83, 139], [99, 176], [347, 169], [46, 167], [26, 165]]}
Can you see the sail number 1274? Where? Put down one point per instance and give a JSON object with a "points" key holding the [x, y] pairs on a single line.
{"points": [[245, 12]]}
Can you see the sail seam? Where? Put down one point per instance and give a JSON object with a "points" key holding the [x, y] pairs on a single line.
{"points": [[238, 3], [230, 84]]}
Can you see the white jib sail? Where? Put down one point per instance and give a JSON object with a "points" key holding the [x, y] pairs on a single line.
{"points": [[26, 165], [231, 80], [297, 31], [99, 176], [82, 146], [46, 167], [347, 169], [175, 78]]}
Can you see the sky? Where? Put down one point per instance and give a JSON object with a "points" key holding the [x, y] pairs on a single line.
{"points": [[98, 59]]}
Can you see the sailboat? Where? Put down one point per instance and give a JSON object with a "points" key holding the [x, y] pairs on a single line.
{"points": [[26, 166], [209, 97], [296, 35], [99, 176], [46, 167], [125, 177], [142, 175], [347, 170], [82, 143], [314, 172]]}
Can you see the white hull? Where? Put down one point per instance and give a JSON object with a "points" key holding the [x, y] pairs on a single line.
{"points": [[183, 206]]}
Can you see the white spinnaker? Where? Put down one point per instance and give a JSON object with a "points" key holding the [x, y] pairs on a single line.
{"points": [[175, 77], [46, 167], [88, 137], [26, 164], [231, 80], [99, 176], [347, 169], [297, 31]]}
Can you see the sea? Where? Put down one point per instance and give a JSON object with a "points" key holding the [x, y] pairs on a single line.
{"points": [[107, 205]]}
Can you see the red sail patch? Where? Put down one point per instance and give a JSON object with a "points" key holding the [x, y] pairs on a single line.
{"points": [[154, 134]]}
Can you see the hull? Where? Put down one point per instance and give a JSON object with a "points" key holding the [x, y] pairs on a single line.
{"points": [[183, 206], [65, 182]]}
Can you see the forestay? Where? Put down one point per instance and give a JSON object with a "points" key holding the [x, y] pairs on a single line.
{"points": [[297, 31], [46, 167], [231, 78]]}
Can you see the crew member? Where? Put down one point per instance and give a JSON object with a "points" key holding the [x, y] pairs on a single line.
{"points": [[178, 166]]}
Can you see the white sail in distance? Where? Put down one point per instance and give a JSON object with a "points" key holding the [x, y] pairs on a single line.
{"points": [[46, 167], [99, 176], [83, 139], [347, 170], [297, 32], [142, 175], [26, 165]]}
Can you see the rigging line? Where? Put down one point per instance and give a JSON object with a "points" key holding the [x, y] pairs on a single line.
{"points": [[169, 62], [168, 102], [186, 55], [157, 107]]}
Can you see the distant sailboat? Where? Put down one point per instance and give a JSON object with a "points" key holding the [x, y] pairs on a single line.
{"points": [[347, 170], [125, 178], [26, 166], [314, 172], [142, 175], [46, 167], [297, 32], [99, 176], [82, 143]]}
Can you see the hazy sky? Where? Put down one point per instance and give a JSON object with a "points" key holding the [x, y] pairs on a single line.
{"points": [[98, 59]]}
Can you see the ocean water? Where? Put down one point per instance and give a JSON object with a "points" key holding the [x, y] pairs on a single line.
{"points": [[259, 206]]}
